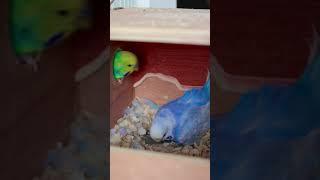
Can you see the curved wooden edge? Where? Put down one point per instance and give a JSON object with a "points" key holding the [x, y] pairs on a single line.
{"points": [[159, 88], [228, 88], [163, 77], [92, 66]]}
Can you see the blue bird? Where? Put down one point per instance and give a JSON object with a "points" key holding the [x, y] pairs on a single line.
{"points": [[184, 120], [273, 133]]}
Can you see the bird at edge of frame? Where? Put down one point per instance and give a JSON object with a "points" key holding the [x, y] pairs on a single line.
{"points": [[124, 63], [36, 26]]}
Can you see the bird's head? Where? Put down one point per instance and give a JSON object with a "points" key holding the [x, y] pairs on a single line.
{"points": [[124, 64], [162, 126], [130, 62]]}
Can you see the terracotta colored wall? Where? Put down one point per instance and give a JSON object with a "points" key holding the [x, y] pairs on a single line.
{"points": [[187, 63], [121, 96]]}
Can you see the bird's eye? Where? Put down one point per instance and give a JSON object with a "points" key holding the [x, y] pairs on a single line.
{"points": [[169, 138], [25, 31], [62, 12], [54, 39], [129, 65]]}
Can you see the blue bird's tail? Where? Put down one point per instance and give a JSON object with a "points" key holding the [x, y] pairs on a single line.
{"points": [[205, 90], [206, 87], [311, 77], [198, 96]]}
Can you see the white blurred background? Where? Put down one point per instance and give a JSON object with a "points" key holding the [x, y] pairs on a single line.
{"points": [[145, 3], [189, 4]]}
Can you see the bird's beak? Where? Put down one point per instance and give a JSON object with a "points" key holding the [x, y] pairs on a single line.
{"points": [[157, 140], [136, 68], [120, 81]]}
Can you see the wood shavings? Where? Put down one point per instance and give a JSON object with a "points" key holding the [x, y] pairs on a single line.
{"points": [[142, 131], [84, 157], [138, 119], [115, 139], [51, 174]]}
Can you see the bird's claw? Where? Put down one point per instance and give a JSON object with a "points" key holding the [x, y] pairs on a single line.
{"points": [[31, 60], [120, 81]]}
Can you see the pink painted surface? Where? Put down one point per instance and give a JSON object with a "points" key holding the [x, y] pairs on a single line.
{"points": [[142, 165]]}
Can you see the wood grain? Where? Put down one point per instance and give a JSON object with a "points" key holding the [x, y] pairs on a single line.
{"points": [[178, 26]]}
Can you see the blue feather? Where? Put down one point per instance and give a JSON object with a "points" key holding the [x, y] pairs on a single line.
{"points": [[186, 119]]}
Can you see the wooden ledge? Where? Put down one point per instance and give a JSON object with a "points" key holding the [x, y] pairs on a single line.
{"points": [[177, 26], [145, 165]]}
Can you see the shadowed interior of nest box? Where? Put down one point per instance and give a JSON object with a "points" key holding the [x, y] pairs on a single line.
{"points": [[187, 63]]}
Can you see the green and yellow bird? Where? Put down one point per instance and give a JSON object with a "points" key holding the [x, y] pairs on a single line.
{"points": [[37, 25], [124, 63]]}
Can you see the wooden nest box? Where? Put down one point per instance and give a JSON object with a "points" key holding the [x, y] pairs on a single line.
{"points": [[172, 46]]}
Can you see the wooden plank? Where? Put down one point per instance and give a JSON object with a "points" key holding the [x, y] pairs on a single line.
{"points": [[178, 26], [145, 165]]}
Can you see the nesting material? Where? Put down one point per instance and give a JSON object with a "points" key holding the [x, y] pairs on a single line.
{"points": [[84, 157], [130, 132]]}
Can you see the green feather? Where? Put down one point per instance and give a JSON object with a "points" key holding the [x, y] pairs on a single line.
{"points": [[34, 23], [124, 63]]}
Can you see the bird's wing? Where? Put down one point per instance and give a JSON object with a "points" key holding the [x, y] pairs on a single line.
{"points": [[193, 122]]}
